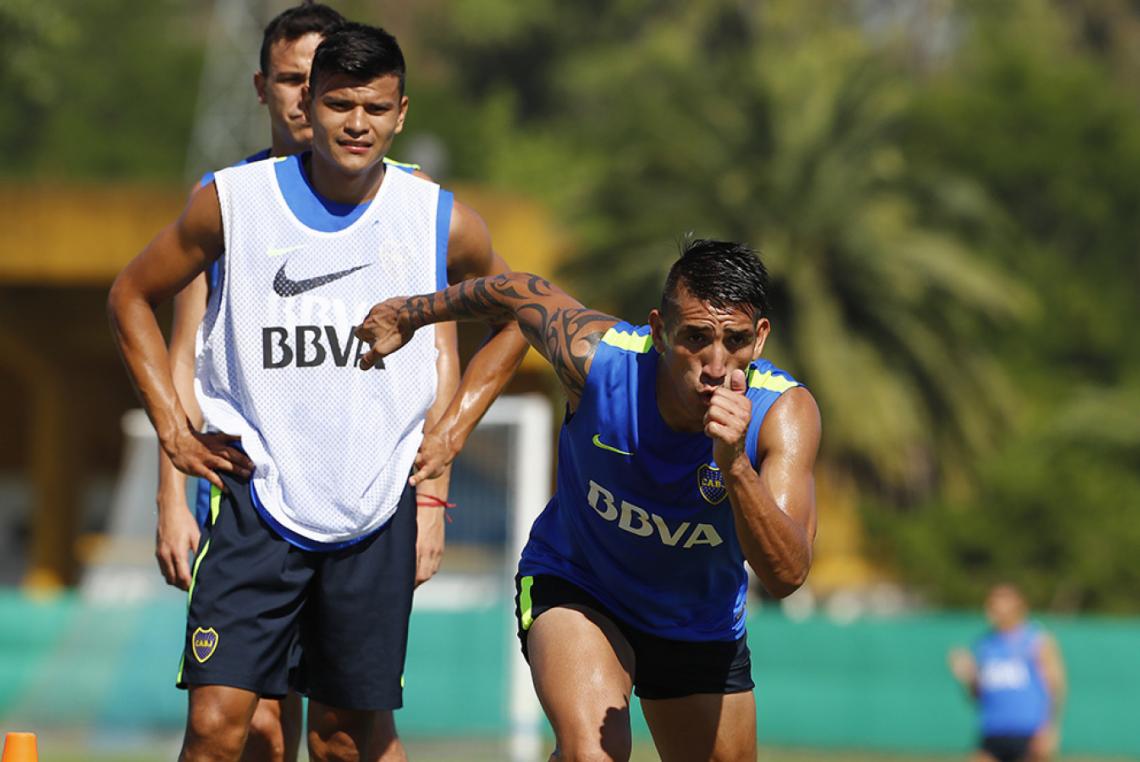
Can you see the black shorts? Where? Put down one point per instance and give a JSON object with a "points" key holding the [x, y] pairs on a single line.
{"points": [[255, 597], [1006, 748], [663, 668]]}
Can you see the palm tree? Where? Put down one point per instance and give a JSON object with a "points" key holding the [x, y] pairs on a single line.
{"points": [[775, 127]]}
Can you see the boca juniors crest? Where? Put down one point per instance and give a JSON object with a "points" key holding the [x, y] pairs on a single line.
{"points": [[711, 484], [204, 642]]}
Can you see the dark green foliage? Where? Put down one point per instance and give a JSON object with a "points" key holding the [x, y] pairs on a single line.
{"points": [[97, 90], [949, 205], [952, 235]]}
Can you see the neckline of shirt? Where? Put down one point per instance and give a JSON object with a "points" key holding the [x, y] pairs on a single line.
{"points": [[311, 208]]}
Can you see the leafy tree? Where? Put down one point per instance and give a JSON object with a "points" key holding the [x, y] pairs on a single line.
{"points": [[33, 35], [1055, 139], [1057, 142], [949, 220], [777, 124], [1055, 513], [102, 90]]}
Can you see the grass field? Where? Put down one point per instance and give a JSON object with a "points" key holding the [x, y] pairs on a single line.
{"points": [[426, 750]]}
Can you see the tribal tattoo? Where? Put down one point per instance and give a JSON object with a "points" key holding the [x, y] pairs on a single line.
{"points": [[557, 325]]}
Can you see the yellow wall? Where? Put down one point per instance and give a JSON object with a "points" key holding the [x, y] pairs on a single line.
{"points": [[60, 248]]}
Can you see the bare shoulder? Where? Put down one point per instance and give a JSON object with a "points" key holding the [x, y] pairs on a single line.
{"points": [[200, 225], [469, 252], [793, 424]]}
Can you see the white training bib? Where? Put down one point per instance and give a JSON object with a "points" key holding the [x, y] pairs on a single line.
{"points": [[333, 445]]}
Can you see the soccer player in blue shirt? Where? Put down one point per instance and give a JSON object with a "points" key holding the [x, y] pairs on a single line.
{"points": [[1017, 678], [683, 456]]}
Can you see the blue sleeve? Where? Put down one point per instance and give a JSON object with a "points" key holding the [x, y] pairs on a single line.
{"points": [[442, 234]]}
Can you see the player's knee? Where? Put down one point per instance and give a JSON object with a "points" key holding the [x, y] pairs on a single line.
{"points": [[344, 735], [212, 733], [338, 747], [266, 742], [335, 747]]}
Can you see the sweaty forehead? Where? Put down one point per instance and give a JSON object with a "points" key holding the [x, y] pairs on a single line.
{"points": [[384, 87], [697, 313]]}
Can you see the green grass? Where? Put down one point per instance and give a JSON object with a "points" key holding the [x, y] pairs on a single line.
{"points": [[425, 750]]}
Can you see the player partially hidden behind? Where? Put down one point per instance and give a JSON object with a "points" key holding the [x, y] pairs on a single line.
{"points": [[1017, 677], [683, 455]]}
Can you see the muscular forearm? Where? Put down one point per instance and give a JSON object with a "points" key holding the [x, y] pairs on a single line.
{"points": [[485, 378], [495, 299], [553, 322], [546, 317], [171, 481], [776, 547], [188, 308], [140, 343], [447, 382]]}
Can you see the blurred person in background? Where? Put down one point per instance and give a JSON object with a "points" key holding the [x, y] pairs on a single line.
{"points": [[1016, 676], [323, 548], [683, 455]]}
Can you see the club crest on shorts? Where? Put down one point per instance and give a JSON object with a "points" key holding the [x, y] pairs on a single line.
{"points": [[204, 642], [711, 484]]}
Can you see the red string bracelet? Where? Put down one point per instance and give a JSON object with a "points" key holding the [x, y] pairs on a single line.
{"points": [[433, 500], [436, 502]]}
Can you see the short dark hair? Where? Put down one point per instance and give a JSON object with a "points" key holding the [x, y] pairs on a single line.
{"points": [[294, 23], [362, 52], [722, 273]]}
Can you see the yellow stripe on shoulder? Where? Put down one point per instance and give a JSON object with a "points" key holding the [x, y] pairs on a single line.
{"points": [[405, 165], [771, 382], [628, 340]]}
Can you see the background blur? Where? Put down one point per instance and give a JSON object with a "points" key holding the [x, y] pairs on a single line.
{"points": [[947, 194]]}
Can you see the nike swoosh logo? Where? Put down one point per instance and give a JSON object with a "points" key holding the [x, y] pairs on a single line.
{"points": [[276, 251], [599, 443], [286, 287]]}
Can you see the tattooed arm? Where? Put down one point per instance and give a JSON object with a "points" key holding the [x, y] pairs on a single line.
{"points": [[555, 323]]}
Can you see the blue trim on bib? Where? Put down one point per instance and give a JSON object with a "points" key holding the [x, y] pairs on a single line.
{"points": [[214, 271], [442, 234], [300, 541], [202, 501], [311, 208]]}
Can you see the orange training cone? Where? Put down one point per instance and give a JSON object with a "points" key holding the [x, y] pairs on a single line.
{"points": [[20, 747]]}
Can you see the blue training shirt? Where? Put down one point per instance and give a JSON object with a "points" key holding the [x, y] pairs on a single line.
{"points": [[640, 518], [1012, 697]]}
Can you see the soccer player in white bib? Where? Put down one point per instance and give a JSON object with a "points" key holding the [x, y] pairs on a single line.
{"points": [[287, 46], [312, 527], [288, 43]]}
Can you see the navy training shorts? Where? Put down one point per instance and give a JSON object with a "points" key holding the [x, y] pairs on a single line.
{"points": [[256, 600], [663, 668]]}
